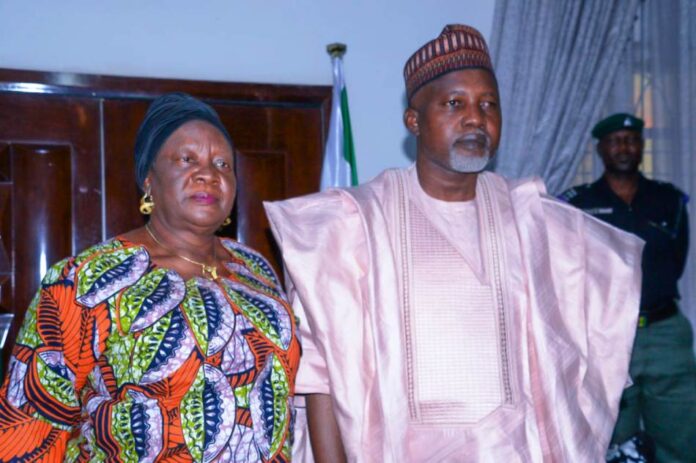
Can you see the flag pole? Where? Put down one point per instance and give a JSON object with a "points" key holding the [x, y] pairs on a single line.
{"points": [[338, 168]]}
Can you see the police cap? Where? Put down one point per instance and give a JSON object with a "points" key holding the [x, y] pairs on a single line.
{"points": [[620, 121]]}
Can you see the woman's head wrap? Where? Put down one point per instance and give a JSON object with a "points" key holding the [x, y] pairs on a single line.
{"points": [[166, 114]]}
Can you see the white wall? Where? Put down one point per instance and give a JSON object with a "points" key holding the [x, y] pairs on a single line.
{"points": [[245, 41]]}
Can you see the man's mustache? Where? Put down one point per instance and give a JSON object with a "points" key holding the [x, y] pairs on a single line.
{"points": [[478, 137]]}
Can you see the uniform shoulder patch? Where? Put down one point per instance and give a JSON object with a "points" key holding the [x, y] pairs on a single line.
{"points": [[571, 193], [673, 189], [567, 195], [684, 197]]}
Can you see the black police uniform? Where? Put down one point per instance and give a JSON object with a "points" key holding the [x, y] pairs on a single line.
{"points": [[658, 216], [662, 364]]}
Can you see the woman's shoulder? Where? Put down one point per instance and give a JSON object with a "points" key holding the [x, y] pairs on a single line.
{"points": [[105, 247], [84, 255], [108, 250], [100, 269]]}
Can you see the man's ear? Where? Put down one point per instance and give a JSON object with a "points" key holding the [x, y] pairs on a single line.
{"points": [[411, 121], [599, 148]]}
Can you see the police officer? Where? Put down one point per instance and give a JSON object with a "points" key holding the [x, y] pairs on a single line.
{"points": [[663, 370]]}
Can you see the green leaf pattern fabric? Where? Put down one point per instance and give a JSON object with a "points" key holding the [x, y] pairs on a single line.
{"points": [[160, 367]]}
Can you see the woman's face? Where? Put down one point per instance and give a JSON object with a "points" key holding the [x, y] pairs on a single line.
{"points": [[192, 178]]}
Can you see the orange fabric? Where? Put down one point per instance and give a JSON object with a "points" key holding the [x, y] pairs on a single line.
{"points": [[110, 365]]}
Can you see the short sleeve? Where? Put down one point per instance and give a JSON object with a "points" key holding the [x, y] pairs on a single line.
{"points": [[39, 401], [312, 375]]}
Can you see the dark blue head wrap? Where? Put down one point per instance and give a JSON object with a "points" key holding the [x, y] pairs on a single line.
{"points": [[166, 114]]}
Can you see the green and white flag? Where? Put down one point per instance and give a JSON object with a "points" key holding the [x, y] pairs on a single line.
{"points": [[339, 169]]}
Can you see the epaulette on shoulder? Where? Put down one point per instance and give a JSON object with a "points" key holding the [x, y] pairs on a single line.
{"points": [[571, 193], [684, 196], [568, 194], [672, 188]]}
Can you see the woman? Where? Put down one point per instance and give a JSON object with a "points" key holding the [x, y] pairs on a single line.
{"points": [[165, 343]]}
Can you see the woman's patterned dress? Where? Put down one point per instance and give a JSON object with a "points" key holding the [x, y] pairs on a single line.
{"points": [[121, 360]]}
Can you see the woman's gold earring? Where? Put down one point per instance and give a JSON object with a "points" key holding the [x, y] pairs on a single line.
{"points": [[147, 204], [226, 222]]}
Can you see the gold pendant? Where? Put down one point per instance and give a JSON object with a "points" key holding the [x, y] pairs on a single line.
{"points": [[210, 272]]}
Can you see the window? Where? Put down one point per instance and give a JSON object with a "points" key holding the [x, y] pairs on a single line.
{"points": [[631, 92]]}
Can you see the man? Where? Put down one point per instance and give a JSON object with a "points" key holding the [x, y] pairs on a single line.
{"points": [[449, 314], [662, 366]]}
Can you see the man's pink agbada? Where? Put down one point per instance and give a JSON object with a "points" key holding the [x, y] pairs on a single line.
{"points": [[448, 314]]}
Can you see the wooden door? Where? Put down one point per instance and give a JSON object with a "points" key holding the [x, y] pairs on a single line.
{"points": [[66, 162]]}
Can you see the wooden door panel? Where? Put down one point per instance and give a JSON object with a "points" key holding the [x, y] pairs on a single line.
{"points": [[122, 117], [296, 131], [40, 227], [262, 176], [5, 230], [51, 167], [37, 219], [279, 152], [75, 122]]}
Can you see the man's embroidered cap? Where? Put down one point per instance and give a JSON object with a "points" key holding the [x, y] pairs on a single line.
{"points": [[616, 122], [458, 47]]}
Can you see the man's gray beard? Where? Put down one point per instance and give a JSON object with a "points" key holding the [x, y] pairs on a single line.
{"points": [[467, 164]]}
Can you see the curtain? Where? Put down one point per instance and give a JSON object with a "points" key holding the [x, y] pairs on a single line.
{"points": [[555, 61], [563, 65]]}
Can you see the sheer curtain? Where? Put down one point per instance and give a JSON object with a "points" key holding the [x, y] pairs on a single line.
{"points": [[555, 62], [562, 65], [656, 81], [668, 73]]}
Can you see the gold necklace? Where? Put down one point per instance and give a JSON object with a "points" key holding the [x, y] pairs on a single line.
{"points": [[208, 271]]}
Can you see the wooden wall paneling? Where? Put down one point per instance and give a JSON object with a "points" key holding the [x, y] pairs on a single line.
{"points": [[296, 130], [53, 162], [261, 177], [51, 119], [5, 242], [6, 273], [5, 229], [4, 162], [279, 152], [41, 213], [40, 219], [96, 86], [122, 117]]}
